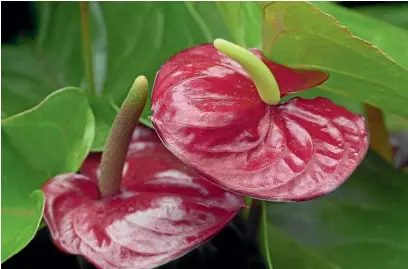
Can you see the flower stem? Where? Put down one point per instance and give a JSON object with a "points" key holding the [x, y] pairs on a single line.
{"points": [[117, 144], [253, 221], [379, 137], [263, 78], [265, 235], [86, 46], [83, 264]]}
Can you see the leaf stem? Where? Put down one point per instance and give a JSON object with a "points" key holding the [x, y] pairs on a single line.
{"points": [[265, 238], [117, 143], [379, 137], [87, 46], [263, 78], [253, 221], [83, 264]]}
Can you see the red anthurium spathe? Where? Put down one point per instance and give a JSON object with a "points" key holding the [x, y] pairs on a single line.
{"points": [[207, 110], [162, 210]]}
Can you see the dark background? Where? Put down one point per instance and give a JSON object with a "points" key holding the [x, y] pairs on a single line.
{"points": [[226, 250]]}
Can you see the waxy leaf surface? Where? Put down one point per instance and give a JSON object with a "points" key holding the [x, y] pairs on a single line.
{"points": [[207, 111], [163, 210], [49, 139], [300, 35]]}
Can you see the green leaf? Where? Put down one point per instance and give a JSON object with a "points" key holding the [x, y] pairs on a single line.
{"points": [[158, 31], [25, 78], [396, 123], [243, 19], [352, 105], [60, 44], [388, 38], [360, 225], [394, 13], [20, 221], [380, 35], [300, 35], [54, 60], [105, 111], [52, 138]]}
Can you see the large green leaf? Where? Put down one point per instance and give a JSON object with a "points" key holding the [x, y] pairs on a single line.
{"points": [[300, 35], [389, 38], [383, 36], [373, 31], [59, 41], [53, 137], [143, 35], [243, 19], [360, 225]]}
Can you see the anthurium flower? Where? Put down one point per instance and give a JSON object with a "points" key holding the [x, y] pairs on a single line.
{"points": [[160, 210], [216, 107]]}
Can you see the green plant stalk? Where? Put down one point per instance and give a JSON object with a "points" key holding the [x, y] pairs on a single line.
{"points": [[263, 78], [83, 264], [87, 46], [117, 143], [379, 137], [253, 221], [265, 238], [245, 212]]}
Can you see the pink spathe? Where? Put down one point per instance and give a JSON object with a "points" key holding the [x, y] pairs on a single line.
{"points": [[163, 209]]}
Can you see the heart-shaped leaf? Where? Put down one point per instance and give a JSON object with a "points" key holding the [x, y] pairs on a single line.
{"points": [[37, 144], [163, 209], [208, 112], [360, 225]]}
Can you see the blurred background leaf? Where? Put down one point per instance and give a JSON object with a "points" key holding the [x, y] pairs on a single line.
{"points": [[243, 20], [143, 35], [394, 13]]}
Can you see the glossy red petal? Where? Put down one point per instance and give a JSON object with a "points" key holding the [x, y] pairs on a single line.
{"points": [[163, 210], [205, 60], [291, 80], [208, 113]]}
